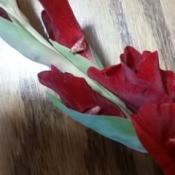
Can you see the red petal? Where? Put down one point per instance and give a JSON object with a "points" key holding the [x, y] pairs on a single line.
{"points": [[131, 57], [62, 25], [76, 94], [155, 126], [149, 71], [4, 14], [143, 68], [146, 53], [133, 95], [168, 78], [51, 29]]}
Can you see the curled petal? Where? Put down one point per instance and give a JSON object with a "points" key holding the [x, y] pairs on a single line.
{"points": [[76, 94], [62, 25]]}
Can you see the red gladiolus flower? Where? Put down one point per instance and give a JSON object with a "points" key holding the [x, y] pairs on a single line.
{"points": [[76, 94], [138, 80], [155, 126], [63, 27]]}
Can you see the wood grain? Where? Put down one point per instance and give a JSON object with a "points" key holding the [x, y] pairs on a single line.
{"points": [[37, 139]]}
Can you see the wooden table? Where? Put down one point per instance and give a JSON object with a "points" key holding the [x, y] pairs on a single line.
{"points": [[37, 139]]}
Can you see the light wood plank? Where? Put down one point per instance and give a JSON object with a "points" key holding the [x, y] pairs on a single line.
{"points": [[35, 137]]}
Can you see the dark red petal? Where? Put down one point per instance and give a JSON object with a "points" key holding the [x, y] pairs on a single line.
{"points": [[51, 29], [4, 14], [130, 61], [131, 57], [149, 71], [168, 78], [62, 25], [146, 53], [76, 94], [155, 126], [133, 95], [142, 69]]}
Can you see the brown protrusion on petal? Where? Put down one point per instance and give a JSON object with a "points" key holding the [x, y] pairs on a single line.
{"points": [[93, 111], [172, 140], [170, 143], [79, 46], [4, 14]]}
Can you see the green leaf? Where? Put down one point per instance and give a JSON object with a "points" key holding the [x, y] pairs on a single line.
{"points": [[22, 40], [115, 128], [11, 7], [76, 59], [79, 61], [96, 58]]}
